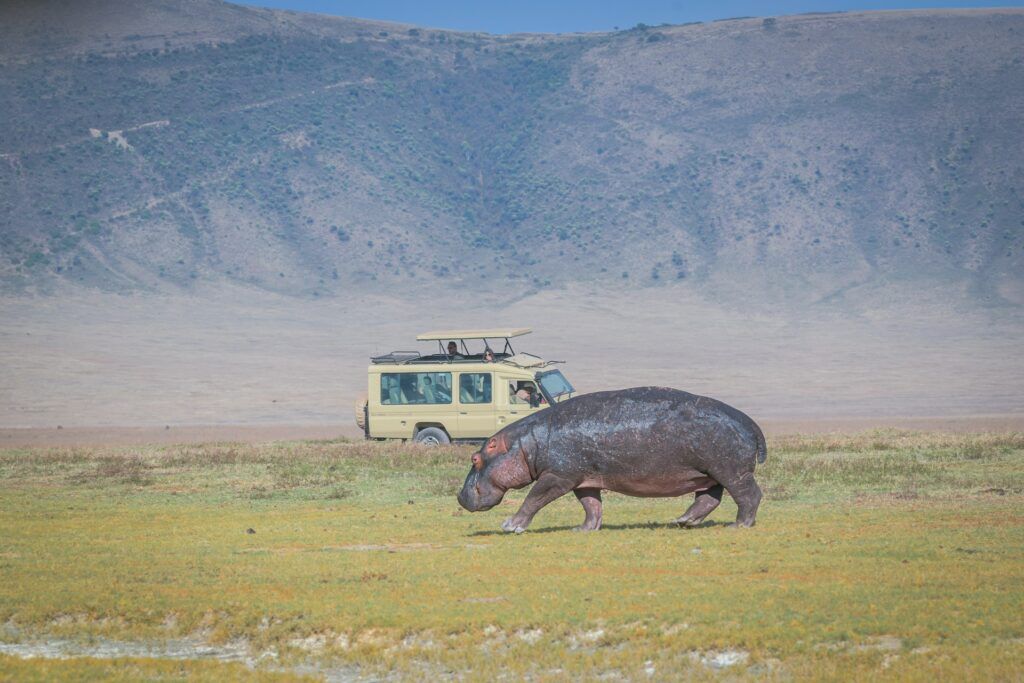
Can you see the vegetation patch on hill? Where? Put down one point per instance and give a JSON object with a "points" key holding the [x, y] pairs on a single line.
{"points": [[316, 155]]}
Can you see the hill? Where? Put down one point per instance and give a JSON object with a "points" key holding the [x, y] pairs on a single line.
{"points": [[157, 144]]}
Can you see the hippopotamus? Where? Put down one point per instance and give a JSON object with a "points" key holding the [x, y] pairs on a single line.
{"points": [[646, 441]]}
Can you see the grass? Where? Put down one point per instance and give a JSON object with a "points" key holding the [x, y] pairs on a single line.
{"points": [[130, 670], [883, 554]]}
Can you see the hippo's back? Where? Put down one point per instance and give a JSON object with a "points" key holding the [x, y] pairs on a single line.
{"points": [[655, 423]]}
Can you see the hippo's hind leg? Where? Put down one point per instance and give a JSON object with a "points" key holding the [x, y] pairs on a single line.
{"points": [[548, 487], [747, 494], [703, 506], [590, 499]]}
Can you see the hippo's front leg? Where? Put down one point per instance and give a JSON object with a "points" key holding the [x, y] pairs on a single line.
{"points": [[548, 487]]}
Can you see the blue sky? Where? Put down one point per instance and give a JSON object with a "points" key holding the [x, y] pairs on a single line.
{"points": [[552, 16]]}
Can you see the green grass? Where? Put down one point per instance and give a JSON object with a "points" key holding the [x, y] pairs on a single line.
{"points": [[885, 554], [131, 670]]}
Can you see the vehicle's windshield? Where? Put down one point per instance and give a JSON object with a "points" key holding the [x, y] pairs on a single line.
{"points": [[555, 384]]}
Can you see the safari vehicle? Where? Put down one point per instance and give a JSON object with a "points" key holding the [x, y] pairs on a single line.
{"points": [[447, 396]]}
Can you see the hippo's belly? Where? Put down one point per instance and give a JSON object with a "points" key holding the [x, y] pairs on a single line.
{"points": [[663, 486]]}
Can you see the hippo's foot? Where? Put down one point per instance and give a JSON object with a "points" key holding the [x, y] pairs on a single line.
{"points": [[587, 527], [684, 523], [512, 527]]}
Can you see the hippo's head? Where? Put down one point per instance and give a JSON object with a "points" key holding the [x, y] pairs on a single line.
{"points": [[498, 466]]}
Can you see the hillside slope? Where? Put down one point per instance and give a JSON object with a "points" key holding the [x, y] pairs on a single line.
{"points": [[153, 144]]}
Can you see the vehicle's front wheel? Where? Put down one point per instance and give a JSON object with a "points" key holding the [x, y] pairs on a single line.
{"points": [[432, 436]]}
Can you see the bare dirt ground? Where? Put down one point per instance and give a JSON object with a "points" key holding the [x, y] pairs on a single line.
{"points": [[231, 364]]}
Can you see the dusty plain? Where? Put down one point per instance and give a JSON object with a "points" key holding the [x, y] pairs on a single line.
{"points": [[229, 357]]}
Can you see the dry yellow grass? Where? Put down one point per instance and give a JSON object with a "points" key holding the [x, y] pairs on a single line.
{"points": [[885, 554]]}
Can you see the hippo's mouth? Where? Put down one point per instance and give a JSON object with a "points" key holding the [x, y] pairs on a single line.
{"points": [[475, 504], [478, 507]]}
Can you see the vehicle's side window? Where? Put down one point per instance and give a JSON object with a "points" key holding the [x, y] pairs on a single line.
{"points": [[524, 392], [399, 388], [475, 387]]}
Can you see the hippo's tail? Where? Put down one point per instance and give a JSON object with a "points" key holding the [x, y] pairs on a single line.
{"points": [[762, 446]]}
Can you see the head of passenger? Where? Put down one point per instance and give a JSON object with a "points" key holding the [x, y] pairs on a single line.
{"points": [[488, 356], [453, 348]]}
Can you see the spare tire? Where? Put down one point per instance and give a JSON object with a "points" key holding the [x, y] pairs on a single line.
{"points": [[360, 410]]}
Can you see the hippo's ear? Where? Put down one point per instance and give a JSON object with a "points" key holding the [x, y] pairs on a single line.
{"points": [[478, 462], [497, 445]]}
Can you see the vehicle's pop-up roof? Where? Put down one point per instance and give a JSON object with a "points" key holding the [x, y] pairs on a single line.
{"points": [[506, 354], [497, 333], [505, 333]]}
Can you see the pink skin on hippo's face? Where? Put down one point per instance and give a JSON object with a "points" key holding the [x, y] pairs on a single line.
{"points": [[497, 467]]}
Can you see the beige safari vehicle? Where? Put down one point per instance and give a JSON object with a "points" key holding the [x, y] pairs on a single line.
{"points": [[457, 393]]}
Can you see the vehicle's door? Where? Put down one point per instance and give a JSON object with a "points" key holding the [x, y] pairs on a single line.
{"points": [[519, 398], [475, 402]]}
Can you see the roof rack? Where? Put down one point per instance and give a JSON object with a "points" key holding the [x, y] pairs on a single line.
{"points": [[398, 357]]}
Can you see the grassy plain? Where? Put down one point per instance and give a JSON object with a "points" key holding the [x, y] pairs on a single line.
{"points": [[881, 554]]}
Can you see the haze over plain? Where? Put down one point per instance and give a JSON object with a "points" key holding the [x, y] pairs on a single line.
{"points": [[215, 213]]}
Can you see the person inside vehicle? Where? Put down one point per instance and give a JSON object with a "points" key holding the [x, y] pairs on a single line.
{"points": [[488, 356], [409, 392], [526, 393], [429, 393], [394, 394], [453, 350]]}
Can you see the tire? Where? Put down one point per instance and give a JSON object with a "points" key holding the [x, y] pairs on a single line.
{"points": [[360, 411], [432, 436]]}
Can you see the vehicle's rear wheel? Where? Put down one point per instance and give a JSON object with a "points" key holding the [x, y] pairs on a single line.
{"points": [[432, 436]]}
